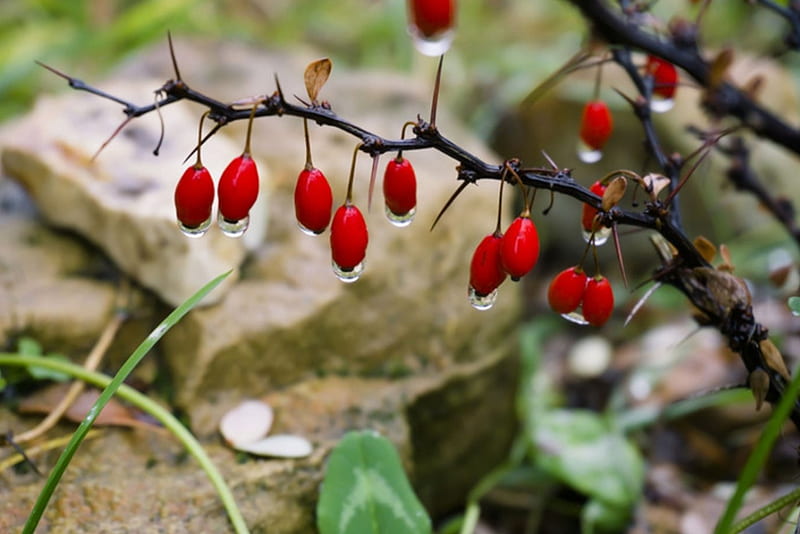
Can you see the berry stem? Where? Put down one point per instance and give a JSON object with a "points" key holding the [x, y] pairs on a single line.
{"points": [[527, 205], [598, 79], [500, 206], [403, 136], [199, 164], [309, 163], [349, 196], [250, 128]]}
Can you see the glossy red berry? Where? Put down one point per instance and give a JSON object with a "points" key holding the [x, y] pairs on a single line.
{"points": [[596, 124], [519, 247], [349, 238], [587, 217], [238, 188], [665, 76], [194, 196], [313, 201], [566, 290], [486, 270], [400, 188], [432, 17], [598, 301]]}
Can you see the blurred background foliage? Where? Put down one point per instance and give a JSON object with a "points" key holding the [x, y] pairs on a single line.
{"points": [[503, 48]]}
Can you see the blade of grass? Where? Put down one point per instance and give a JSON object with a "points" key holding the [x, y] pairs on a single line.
{"points": [[115, 383], [759, 456], [162, 415]]}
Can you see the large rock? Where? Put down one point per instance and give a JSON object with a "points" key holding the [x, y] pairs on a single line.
{"points": [[122, 200], [400, 351], [47, 290]]}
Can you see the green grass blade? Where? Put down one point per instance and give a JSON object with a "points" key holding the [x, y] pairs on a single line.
{"points": [[129, 365], [759, 456], [136, 399]]}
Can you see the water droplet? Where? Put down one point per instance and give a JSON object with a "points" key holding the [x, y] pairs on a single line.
{"points": [[308, 231], [195, 231], [587, 154], [481, 302], [435, 45], [576, 317], [661, 105], [600, 237], [233, 228], [348, 275], [400, 220]]}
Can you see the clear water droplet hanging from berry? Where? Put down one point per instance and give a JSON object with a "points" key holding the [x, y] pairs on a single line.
{"points": [[432, 25]]}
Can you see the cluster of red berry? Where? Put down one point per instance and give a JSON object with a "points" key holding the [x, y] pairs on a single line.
{"points": [[237, 190], [313, 202], [597, 123]]}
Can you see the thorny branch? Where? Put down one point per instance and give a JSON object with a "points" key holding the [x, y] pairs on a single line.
{"points": [[718, 295]]}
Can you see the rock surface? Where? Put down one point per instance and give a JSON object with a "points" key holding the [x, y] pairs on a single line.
{"points": [[401, 351], [122, 201]]}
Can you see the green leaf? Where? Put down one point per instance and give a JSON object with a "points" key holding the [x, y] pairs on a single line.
{"points": [[365, 490], [581, 449], [794, 305], [598, 515], [29, 347]]}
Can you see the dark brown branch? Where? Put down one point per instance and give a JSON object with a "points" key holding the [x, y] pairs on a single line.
{"points": [[681, 51]]}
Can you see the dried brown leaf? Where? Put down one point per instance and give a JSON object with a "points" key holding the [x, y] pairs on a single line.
{"points": [[773, 358], [614, 192], [316, 75], [114, 414], [705, 247]]}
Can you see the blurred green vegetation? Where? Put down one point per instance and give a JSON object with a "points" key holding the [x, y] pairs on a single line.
{"points": [[498, 51], [503, 47]]}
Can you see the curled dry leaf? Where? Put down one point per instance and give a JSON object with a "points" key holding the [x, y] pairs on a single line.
{"points": [[315, 77], [278, 446], [655, 183], [759, 385], [705, 247], [727, 262], [719, 67], [246, 423], [773, 358], [114, 414], [614, 192]]}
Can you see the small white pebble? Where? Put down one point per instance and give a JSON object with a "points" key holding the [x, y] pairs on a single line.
{"points": [[278, 446], [589, 357], [246, 423]]}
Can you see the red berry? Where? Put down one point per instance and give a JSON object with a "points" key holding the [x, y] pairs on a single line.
{"points": [[313, 200], [194, 196], [432, 16], [349, 237], [400, 187], [486, 270], [566, 290], [665, 76], [519, 248], [587, 218], [596, 124], [598, 301], [238, 188]]}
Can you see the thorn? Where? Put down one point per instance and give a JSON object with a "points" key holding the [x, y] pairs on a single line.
{"points": [[641, 302], [372, 178], [618, 250], [278, 88], [172, 56], [450, 200], [111, 137]]}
